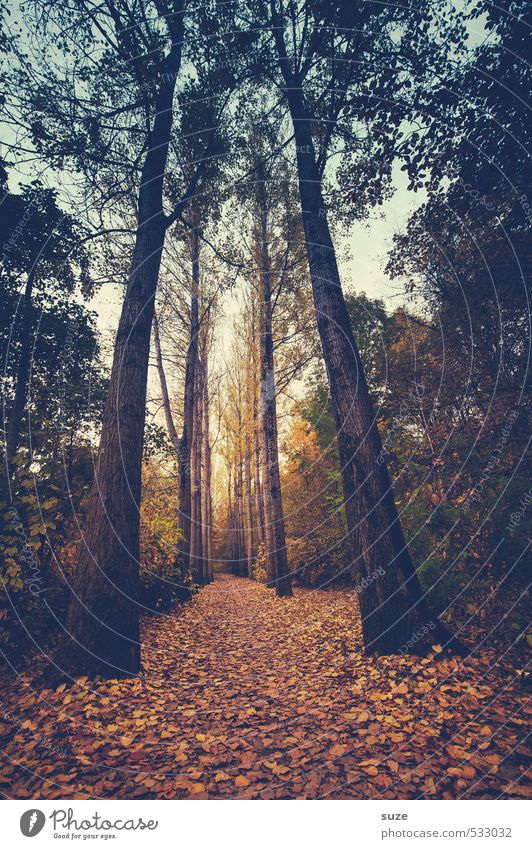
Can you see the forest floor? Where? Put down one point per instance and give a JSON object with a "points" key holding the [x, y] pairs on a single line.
{"points": [[247, 696]]}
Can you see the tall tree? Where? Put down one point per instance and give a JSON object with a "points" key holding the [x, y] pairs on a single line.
{"points": [[118, 134], [207, 476], [257, 482], [324, 60], [186, 446], [196, 501], [273, 506]]}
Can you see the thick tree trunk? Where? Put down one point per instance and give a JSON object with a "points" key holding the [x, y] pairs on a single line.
{"points": [[392, 603], [170, 426], [102, 627], [102, 630], [23, 373], [278, 574], [185, 447]]}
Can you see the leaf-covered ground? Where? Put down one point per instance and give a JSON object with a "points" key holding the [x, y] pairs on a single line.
{"points": [[247, 696]]}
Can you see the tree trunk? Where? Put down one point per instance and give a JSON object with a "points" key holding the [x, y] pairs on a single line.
{"points": [[210, 528], [257, 490], [196, 530], [392, 604], [230, 524], [249, 506], [185, 447], [248, 492], [242, 561], [206, 489], [278, 573], [23, 373], [170, 426], [257, 485], [235, 523], [102, 627]]}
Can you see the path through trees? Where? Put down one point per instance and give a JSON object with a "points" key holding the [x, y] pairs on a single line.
{"points": [[246, 696]]}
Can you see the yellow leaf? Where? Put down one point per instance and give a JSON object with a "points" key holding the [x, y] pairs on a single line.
{"points": [[197, 787]]}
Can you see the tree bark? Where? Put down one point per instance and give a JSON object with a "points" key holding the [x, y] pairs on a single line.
{"points": [[392, 604], [278, 574]]}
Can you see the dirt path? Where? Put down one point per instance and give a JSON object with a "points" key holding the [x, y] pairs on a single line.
{"points": [[247, 696]]}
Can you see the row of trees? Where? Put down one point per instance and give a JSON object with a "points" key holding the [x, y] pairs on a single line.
{"points": [[171, 105]]}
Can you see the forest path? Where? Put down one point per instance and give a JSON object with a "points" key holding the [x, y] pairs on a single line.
{"points": [[245, 695]]}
